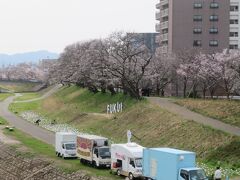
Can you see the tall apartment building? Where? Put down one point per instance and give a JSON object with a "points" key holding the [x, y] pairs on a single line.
{"points": [[210, 25], [234, 39]]}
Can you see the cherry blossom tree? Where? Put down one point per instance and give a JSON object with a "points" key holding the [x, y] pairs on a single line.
{"points": [[160, 72], [189, 66], [228, 75], [128, 60]]}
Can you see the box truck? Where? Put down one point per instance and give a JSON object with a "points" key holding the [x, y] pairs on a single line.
{"points": [[126, 159], [93, 150], [65, 144], [171, 164]]}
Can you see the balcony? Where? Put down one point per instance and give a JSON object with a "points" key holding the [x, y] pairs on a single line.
{"points": [[163, 2], [164, 13], [158, 16], [157, 27], [164, 25], [158, 5], [164, 37], [233, 39], [233, 42]]}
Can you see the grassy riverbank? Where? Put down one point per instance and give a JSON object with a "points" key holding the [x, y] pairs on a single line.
{"points": [[227, 111], [155, 127]]}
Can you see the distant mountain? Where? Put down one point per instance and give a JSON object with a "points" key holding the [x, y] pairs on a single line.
{"points": [[33, 57]]}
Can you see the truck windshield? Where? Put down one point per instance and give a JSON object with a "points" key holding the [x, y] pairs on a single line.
{"points": [[70, 146], [197, 175], [138, 162], [104, 152]]}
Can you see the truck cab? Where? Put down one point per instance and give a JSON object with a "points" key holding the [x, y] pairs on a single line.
{"points": [[65, 144], [135, 167], [101, 156], [192, 174], [68, 149], [127, 160]]}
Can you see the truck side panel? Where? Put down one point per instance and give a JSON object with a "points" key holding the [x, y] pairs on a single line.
{"points": [[69, 138], [162, 165], [168, 169], [84, 148]]}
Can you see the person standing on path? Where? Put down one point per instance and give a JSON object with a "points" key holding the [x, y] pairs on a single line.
{"points": [[218, 174]]}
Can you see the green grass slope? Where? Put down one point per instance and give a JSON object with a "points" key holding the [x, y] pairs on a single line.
{"points": [[17, 86], [154, 126], [32, 95], [3, 121], [3, 96], [227, 111]]}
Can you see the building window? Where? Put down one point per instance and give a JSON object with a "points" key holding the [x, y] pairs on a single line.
{"points": [[197, 43], [213, 18], [197, 5], [213, 30], [197, 18], [233, 46], [164, 19], [213, 43], [214, 5], [197, 30], [164, 43], [233, 34], [234, 8], [164, 31], [233, 21]]}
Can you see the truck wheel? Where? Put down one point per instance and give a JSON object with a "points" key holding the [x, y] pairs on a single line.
{"points": [[58, 154], [130, 176], [95, 164], [118, 172]]}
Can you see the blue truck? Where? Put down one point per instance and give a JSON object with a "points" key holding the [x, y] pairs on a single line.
{"points": [[171, 164]]}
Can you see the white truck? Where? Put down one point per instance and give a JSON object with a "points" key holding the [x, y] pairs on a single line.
{"points": [[126, 159], [65, 144], [93, 150]]}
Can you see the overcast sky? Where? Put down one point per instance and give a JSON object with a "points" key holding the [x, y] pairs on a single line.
{"points": [[29, 25]]}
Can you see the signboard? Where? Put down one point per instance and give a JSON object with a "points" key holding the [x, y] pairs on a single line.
{"points": [[114, 108], [84, 146]]}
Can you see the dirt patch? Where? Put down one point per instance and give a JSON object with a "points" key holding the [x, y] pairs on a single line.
{"points": [[15, 167], [52, 105], [108, 116]]}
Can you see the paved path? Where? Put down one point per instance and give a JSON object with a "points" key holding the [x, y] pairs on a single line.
{"points": [[47, 94], [189, 115], [25, 126]]}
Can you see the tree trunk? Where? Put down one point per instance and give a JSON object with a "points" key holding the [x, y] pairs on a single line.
{"points": [[157, 90], [184, 89], [204, 93], [93, 89], [211, 90], [194, 91], [162, 92], [111, 89], [227, 89]]}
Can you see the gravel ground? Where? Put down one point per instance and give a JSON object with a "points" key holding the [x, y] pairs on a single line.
{"points": [[13, 166]]}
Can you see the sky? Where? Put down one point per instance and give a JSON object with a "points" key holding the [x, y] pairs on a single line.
{"points": [[31, 25]]}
